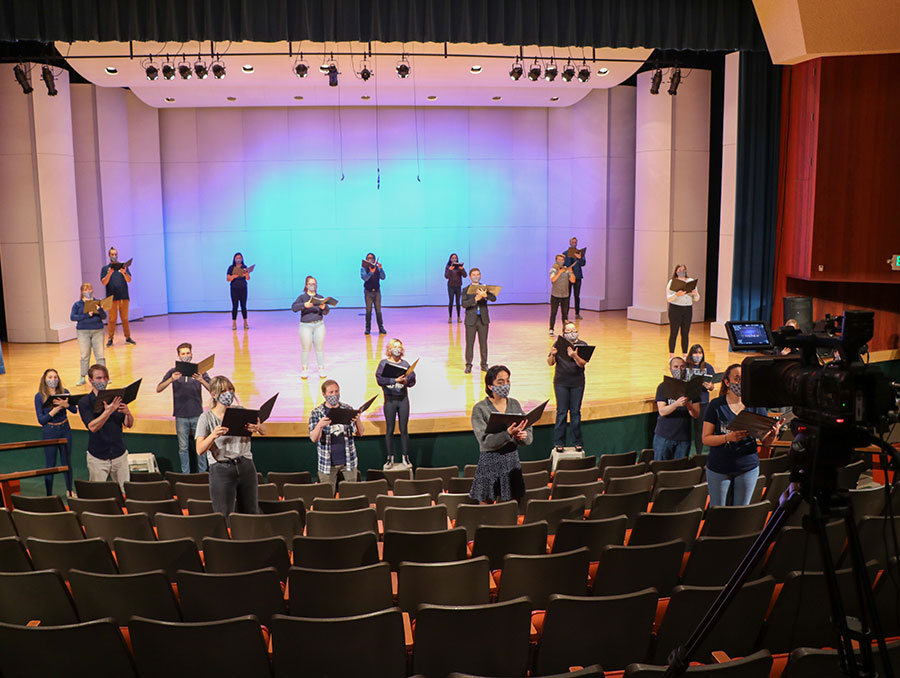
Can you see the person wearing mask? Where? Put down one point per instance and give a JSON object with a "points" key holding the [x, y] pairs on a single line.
{"points": [[233, 486], [499, 471], [396, 400], [561, 277], [116, 281], [372, 274], [672, 436], [187, 405], [312, 327], [698, 367], [454, 272], [576, 260], [680, 311], [478, 321], [88, 330], [733, 461], [568, 385], [237, 275], [335, 443], [54, 421], [107, 456]]}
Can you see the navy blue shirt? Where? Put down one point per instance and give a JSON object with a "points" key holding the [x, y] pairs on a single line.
{"points": [[576, 265], [567, 373], [59, 422], [117, 287], [371, 281], [107, 441], [730, 458], [674, 426], [308, 315], [338, 447], [706, 371], [239, 283], [84, 321], [187, 395], [389, 384]]}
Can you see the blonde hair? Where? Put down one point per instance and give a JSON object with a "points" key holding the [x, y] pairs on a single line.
{"points": [[44, 390], [387, 350], [85, 284], [217, 386]]}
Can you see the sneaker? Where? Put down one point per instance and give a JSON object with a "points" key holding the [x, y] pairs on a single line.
{"points": [[578, 316], [381, 330], [129, 340], [322, 372], [80, 382], [449, 320], [406, 460], [468, 369], [304, 374], [389, 463], [579, 448], [458, 319], [551, 331], [234, 326], [109, 342], [484, 368], [246, 326]]}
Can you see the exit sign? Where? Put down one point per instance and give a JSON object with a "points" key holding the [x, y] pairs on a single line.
{"points": [[894, 261]]}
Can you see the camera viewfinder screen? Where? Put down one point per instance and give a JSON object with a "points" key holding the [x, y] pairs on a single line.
{"points": [[749, 335]]}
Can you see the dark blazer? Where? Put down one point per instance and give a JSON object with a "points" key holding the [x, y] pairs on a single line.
{"points": [[468, 303]]}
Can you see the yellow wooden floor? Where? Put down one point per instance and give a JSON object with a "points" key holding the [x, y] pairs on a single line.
{"points": [[630, 360]]}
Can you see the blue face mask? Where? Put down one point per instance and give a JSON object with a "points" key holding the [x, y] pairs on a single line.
{"points": [[99, 385], [226, 398], [333, 400], [501, 391]]}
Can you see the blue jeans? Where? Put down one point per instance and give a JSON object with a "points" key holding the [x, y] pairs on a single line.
{"points": [[664, 449], [312, 334], [568, 401], [186, 428], [720, 483]]}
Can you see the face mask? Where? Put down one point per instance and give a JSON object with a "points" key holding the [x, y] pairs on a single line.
{"points": [[678, 373], [571, 336], [501, 391], [683, 274], [53, 382], [311, 290], [186, 358], [735, 388], [226, 398], [333, 400], [697, 358], [99, 385], [87, 295], [396, 352], [476, 278], [113, 258]]}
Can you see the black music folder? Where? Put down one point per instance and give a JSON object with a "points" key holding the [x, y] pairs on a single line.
{"points": [[584, 351], [500, 421], [128, 394], [394, 371], [328, 301], [757, 425], [71, 397], [190, 369], [491, 289], [118, 266], [344, 415], [674, 388], [572, 250], [237, 418], [93, 304], [677, 284]]}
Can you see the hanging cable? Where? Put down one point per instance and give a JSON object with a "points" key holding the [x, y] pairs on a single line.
{"points": [[416, 123]]}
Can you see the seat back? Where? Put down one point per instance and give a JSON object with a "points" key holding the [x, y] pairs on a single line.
{"points": [[866, 502], [594, 535], [460, 485], [213, 596], [453, 501], [887, 590], [131, 526], [146, 476], [432, 486], [640, 483], [424, 547], [586, 490], [658, 465], [428, 519], [13, 555], [135, 556], [527, 466], [152, 508], [99, 489], [445, 473], [41, 594], [58, 526], [725, 521], [554, 510], [576, 464], [282, 505], [536, 479], [341, 523], [538, 577], [122, 596], [677, 499], [51, 504], [714, 559], [340, 504], [223, 556], [89, 555], [286, 525], [793, 543], [471, 516], [630, 505], [148, 491], [778, 483], [629, 471], [576, 476], [200, 507], [336, 553], [108, 506], [268, 492], [497, 541], [185, 491], [194, 527], [339, 593], [390, 474], [872, 531], [656, 528], [775, 464], [173, 478], [7, 528], [616, 459], [369, 489], [383, 501], [466, 582], [626, 569], [280, 478], [687, 477], [756, 665], [307, 492]]}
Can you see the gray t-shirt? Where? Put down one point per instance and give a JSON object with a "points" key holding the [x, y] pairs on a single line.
{"points": [[226, 447], [561, 287]]}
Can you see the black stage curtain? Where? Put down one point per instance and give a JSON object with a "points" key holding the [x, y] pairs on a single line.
{"points": [[668, 24], [756, 199]]}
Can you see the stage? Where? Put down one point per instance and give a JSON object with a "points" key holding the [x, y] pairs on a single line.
{"points": [[630, 360]]}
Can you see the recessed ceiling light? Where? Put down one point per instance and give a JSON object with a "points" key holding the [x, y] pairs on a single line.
{"points": [[554, 98], [365, 97], [170, 99], [247, 68], [231, 98], [299, 97], [112, 70], [432, 97], [603, 71], [496, 98], [475, 69]]}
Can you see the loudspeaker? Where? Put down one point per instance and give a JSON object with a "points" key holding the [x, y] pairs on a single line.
{"points": [[801, 310]]}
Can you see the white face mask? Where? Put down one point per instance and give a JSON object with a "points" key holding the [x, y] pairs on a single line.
{"points": [[186, 358], [333, 400], [226, 398], [678, 373], [697, 358], [571, 336], [396, 351], [52, 382], [113, 258]]}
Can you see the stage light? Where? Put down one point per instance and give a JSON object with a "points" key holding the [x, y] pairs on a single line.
{"points": [[365, 73], [231, 98], [554, 99], [301, 70], [332, 75], [584, 74], [298, 97], [534, 73], [568, 72], [47, 77], [218, 71], [324, 68], [247, 68], [551, 72], [111, 70], [170, 100], [168, 72], [184, 71], [403, 68], [432, 97], [674, 81], [516, 71], [201, 70], [656, 81], [603, 70], [23, 78], [152, 72], [475, 69]]}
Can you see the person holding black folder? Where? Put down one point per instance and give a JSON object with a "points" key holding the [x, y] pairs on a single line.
{"points": [[107, 456], [499, 472], [478, 320], [672, 436], [233, 486], [680, 309], [568, 385], [733, 461], [116, 277], [312, 327], [576, 259], [54, 421], [372, 274], [396, 398], [697, 366], [88, 330], [454, 272], [334, 442], [187, 405], [237, 275]]}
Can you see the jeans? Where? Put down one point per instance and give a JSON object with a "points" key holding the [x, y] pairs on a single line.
{"points": [[233, 487], [312, 333], [568, 401], [679, 319], [238, 296], [119, 308], [743, 486], [88, 340], [697, 426], [109, 469], [664, 449], [185, 429], [561, 303], [373, 297], [65, 453], [453, 293], [392, 408]]}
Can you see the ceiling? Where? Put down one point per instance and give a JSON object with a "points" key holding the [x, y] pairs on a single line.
{"points": [[434, 80]]}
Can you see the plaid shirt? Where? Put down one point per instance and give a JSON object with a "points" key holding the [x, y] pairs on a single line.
{"points": [[324, 444]]}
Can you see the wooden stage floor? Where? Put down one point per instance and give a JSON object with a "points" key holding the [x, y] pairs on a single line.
{"points": [[630, 360]]}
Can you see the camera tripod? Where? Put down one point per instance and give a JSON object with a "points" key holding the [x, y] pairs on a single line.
{"points": [[817, 488]]}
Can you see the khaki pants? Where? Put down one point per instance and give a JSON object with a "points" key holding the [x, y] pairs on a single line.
{"points": [[109, 469], [331, 478], [119, 307]]}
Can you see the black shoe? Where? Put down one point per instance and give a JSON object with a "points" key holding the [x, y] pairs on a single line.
{"points": [[578, 316], [484, 368], [129, 340], [367, 332], [381, 330], [109, 342], [468, 369]]}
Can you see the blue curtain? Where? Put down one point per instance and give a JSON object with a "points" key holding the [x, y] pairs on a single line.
{"points": [[756, 199]]}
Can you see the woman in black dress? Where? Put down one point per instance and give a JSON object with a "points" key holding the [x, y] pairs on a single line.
{"points": [[238, 279]]}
